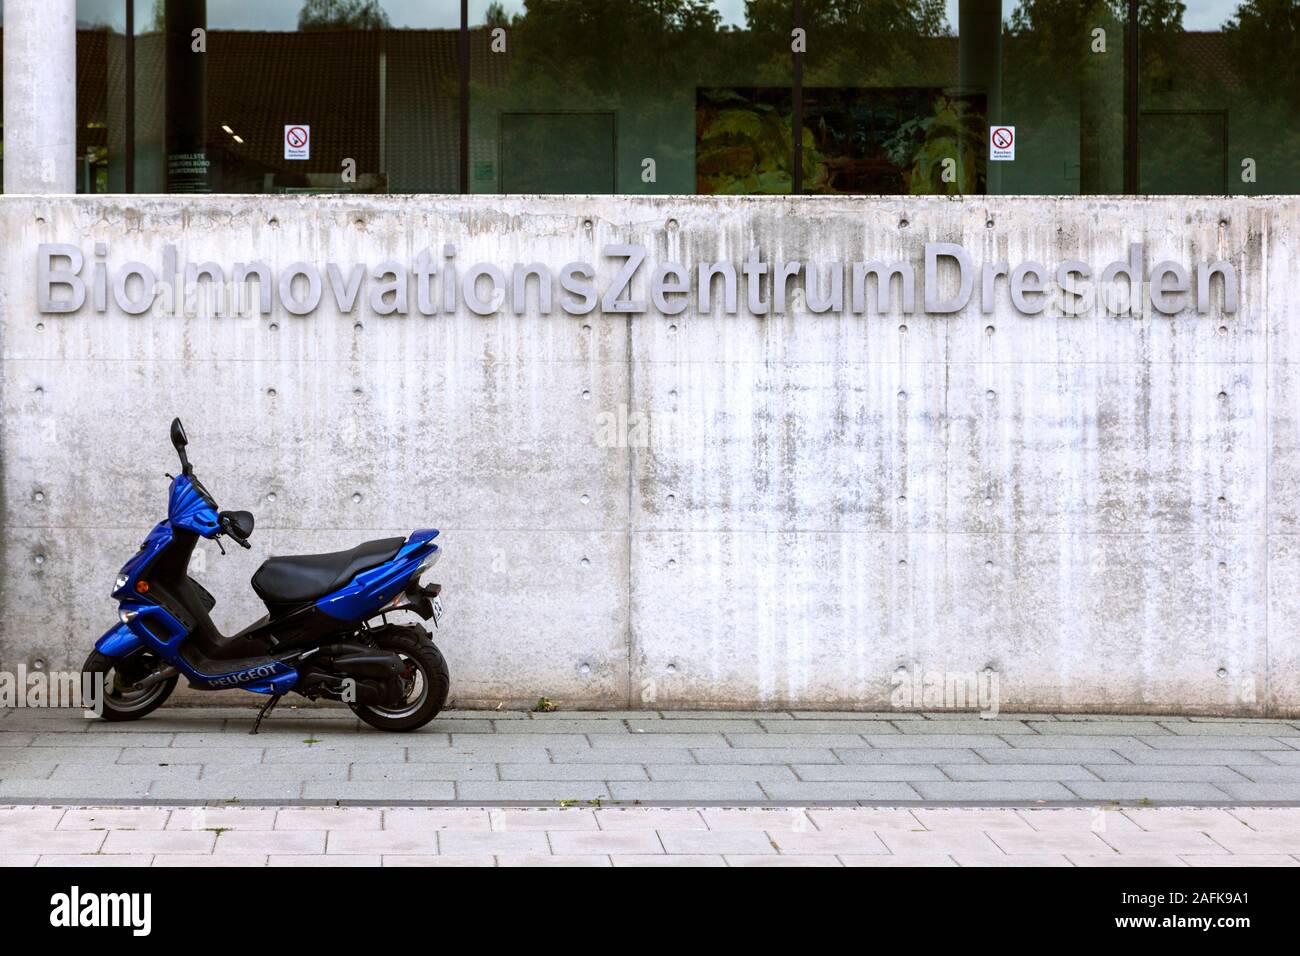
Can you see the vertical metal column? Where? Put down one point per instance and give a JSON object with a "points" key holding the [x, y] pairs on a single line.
{"points": [[1132, 103], [187, 99], [796, 117]]}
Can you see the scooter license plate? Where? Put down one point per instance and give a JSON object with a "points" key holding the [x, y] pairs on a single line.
{"points": [[436, 604]]}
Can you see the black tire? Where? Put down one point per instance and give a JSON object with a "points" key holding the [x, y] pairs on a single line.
{"points": [[427, 670], [118, 701]]}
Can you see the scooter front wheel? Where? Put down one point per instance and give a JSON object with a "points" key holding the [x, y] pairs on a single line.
{"points": [[427, 681], [119, 697]]}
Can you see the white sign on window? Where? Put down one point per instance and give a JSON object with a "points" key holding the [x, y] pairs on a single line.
{"points": [[297, 141], [1002, 143]]}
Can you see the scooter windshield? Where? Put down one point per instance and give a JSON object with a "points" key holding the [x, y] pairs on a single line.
{"points": [[191, 507]]}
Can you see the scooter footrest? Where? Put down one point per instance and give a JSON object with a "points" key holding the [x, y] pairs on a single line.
{"points": [[210, 667]]}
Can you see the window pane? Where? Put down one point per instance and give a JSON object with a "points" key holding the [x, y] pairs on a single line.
{"points": [[1220, 94], [902, 96], [631, 96], [367, 90], [101, 79]]}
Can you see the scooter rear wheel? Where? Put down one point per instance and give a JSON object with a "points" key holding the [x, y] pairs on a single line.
{"points": [[429, 681], [120, 699]]}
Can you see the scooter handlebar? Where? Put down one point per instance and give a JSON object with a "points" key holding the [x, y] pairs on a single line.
{"points": [[231, 525]]}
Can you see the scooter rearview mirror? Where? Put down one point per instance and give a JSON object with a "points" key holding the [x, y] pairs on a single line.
{"points": [[179, 442]]}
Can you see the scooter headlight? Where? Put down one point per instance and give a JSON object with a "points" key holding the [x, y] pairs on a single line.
{"points": [[126, 617], [121, 583]]}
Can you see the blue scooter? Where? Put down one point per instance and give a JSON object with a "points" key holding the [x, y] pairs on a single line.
{"points": [[325, 634]]}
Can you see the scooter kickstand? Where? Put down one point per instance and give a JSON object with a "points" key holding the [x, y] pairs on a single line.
{"points": [[266, 709]]}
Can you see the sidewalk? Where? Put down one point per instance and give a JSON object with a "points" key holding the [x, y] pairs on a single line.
{"points": [[635, 836], [480, 758]]}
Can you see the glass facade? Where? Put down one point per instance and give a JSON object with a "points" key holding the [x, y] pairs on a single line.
{"points": [[689, 96], [1220, 97], [654, 96]]}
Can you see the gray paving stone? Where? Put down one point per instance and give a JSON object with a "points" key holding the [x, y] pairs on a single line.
{"points": [[1098, 728], [850, 715], [975, 727], [663, 726], [270, 771], [1018, 771], [725, 714], [544, 791], [1161, 790], [1144, 756], [974, 715], [1119, 718], [685, 790], [792, 740], [84, 756], [558, 727], [322, 753], [36, 769], [226, 791], [1080, 741], [572, 771], [1227, 742], [380, 790], [814, 791], [761, 755], [659, 755], [208, 755], [1065, 755], [175, 756], [654, 741], [614, 715], [1232, 729], [874, 771], [441, 725], [759, 773], [479, 755], [235, 740], [959, 741], [991, 791], [433, 770], [481, 743], [74, 791], [1279, 792], [1203, 773], [828, 726], [1268, 774], [903, 755], [69, 772]]}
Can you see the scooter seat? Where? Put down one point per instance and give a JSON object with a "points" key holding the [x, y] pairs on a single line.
{"points": [[304, 577]]}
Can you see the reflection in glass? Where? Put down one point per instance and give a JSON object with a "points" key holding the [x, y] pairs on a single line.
{"points": [[630, 96], [1220, 91]]}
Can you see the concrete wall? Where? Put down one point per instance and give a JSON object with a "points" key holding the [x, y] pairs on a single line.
{"points": [[40, 96], [1101, 510]]}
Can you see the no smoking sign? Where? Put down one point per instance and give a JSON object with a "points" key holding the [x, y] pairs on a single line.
{"points": [[1002, 143], [297, 141]]}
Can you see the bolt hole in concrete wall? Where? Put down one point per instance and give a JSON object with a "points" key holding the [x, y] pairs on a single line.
{"points": [[756, 510]]}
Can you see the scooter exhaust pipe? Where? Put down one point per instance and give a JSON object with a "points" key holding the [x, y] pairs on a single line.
{"points": [[157, 677]]}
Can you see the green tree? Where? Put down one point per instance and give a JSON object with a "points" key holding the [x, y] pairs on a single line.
{"points": [[1263, 38], [342, 15]]}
